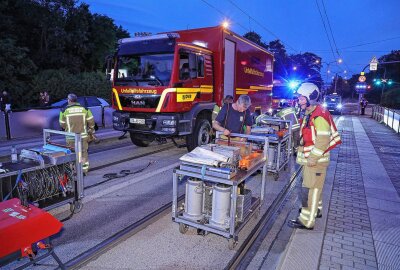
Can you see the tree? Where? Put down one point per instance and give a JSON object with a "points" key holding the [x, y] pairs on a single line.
{"points": [[59, 41], [256, 38], [282, 61], [17, 71]]}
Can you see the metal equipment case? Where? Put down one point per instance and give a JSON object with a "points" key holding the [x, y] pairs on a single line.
{"points": [[48, 174], [241, 206], [279, 147]]}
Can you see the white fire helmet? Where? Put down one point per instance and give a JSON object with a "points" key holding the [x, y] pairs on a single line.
{"points": [[310, 91]]}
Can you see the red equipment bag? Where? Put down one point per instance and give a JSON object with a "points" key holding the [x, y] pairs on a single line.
{"points": [[21, 226]]}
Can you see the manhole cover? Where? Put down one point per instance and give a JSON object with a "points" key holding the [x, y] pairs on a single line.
{"points": [[389, 150]]}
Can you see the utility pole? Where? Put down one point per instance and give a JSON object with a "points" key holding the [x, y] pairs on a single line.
{"points": [[334, 91], [383, 85]]}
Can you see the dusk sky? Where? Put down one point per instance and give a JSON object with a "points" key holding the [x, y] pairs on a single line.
{"points": [[361, 29]]}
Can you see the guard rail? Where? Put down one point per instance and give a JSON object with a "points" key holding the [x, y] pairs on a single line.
{"points": [[389, 117], [29, 123]]}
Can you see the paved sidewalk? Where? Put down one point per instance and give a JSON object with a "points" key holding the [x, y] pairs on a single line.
{"points": [[362, 227]]}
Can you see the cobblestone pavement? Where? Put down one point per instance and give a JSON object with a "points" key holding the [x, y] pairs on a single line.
{"points": [[348, 241], [360, 226]]}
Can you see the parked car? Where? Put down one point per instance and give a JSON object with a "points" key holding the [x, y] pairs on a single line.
{"points": [[95, 104], [333, 103]]}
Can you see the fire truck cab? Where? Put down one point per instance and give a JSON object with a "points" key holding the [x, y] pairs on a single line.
{"points": [[166, 85]]}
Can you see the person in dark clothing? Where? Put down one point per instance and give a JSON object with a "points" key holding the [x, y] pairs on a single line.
{"points": [[363, 104], [44, 99], [234, 116], [5, 101]]}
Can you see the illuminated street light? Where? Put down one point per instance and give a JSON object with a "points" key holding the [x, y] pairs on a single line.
{"points": [[294, 68], [225, 24]]}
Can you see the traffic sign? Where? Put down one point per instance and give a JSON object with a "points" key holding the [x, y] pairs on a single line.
{"points": [[373, 65], [362, 78]]}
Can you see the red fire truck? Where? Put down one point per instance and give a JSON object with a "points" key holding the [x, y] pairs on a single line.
{"points": [[166, 85]]}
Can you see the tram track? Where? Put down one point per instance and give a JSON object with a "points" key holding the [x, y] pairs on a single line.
{"points": [[264, 224], [266, 220], [156, 151], [107, 244]]}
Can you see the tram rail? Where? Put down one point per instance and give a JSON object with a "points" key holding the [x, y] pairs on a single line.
{"points": [[107, 244], [266, 220]]}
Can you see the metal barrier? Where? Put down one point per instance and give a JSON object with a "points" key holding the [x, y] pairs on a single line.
{"points": [[389, 117], [30, 123]]}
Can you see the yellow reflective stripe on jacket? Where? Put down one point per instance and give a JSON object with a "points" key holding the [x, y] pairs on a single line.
{"points": [[317, 152], [76, 118], [303, 160], [327, 133]]}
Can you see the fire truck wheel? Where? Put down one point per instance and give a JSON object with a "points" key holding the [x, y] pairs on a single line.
{"points": [[201, 134], [138, 140]]}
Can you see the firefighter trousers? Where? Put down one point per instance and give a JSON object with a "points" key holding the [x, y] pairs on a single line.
{"points": [[313, 183], [85, 157]]}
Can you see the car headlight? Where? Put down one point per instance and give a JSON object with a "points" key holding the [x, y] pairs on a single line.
{"points": [[324, 105], [270, 110], [339, 106]]}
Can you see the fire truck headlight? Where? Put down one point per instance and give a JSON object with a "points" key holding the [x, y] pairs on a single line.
{"points": [[169, 122], [324, 105]]}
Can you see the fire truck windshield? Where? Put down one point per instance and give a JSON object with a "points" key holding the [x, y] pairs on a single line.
{"points": [[144, 70]]}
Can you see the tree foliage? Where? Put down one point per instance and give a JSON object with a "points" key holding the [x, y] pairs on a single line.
{"points": [[50, 40], [307, 69]]}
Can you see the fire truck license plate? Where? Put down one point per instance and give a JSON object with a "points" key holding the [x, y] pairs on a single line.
{"points": [[137, 121]]}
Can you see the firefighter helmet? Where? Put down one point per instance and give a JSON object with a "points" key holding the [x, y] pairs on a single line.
{"points": [[310, 91]]}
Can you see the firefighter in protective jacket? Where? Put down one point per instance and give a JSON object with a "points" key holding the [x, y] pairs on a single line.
{"points": [[318, 135], [77, 119]]}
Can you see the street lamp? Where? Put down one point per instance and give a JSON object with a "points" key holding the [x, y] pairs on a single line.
{"points": [[338, 61]]}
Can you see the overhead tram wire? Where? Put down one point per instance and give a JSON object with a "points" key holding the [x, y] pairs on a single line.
{"points": [[326, 31], [220, 12], [330, 28], [263, 27], [223, 14], [327, 34], [333, 37], [368, 43]]}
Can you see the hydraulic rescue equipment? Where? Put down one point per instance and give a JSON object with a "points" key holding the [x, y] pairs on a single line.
{"points": [[216, 198]]}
